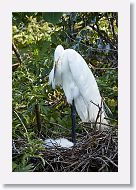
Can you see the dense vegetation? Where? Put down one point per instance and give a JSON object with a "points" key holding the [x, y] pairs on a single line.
{"points": [[38, 111]]}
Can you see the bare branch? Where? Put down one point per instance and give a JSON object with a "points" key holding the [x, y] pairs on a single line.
{"points": [[16, 53]]}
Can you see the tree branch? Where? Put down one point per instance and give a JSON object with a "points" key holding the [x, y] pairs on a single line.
{"points": [[14, 48], [103, 35], [38, 117]]}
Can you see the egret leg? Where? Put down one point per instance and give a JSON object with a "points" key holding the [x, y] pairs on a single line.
{"points": [[73, 116]]}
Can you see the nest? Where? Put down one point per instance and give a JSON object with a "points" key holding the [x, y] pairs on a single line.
{"points": [[95, 152]]}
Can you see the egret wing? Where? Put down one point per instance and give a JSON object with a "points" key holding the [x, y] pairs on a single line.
{"points": [[83, 77], [85, 82]]}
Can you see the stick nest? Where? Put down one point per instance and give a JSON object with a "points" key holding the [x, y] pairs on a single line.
{"points": [[95, 152]]}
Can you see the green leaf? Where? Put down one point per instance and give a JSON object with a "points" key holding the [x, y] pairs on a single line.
{"points": [[52, 17]]}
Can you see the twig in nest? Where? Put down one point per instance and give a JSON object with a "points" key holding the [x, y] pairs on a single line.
{"points": [[110, 161], [99, 113], [109, 125]]}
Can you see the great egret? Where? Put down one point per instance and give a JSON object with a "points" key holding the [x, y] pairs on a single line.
{"points": [[80, 87]]}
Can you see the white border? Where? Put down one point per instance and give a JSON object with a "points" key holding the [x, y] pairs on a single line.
{"points": [[9, 177]]}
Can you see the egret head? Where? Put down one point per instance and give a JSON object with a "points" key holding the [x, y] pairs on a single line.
{"points": [[58, 53], [55, 74]]}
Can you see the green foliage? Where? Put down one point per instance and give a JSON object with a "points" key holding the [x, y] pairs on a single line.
{"points": [[52, 17], [36, 35]]}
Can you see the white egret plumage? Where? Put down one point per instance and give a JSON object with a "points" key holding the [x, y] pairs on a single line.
{"points": [[60, 142], [78, 82]]}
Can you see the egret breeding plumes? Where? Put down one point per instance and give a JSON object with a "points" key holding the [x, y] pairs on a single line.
{"points": [[71, 72]]}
